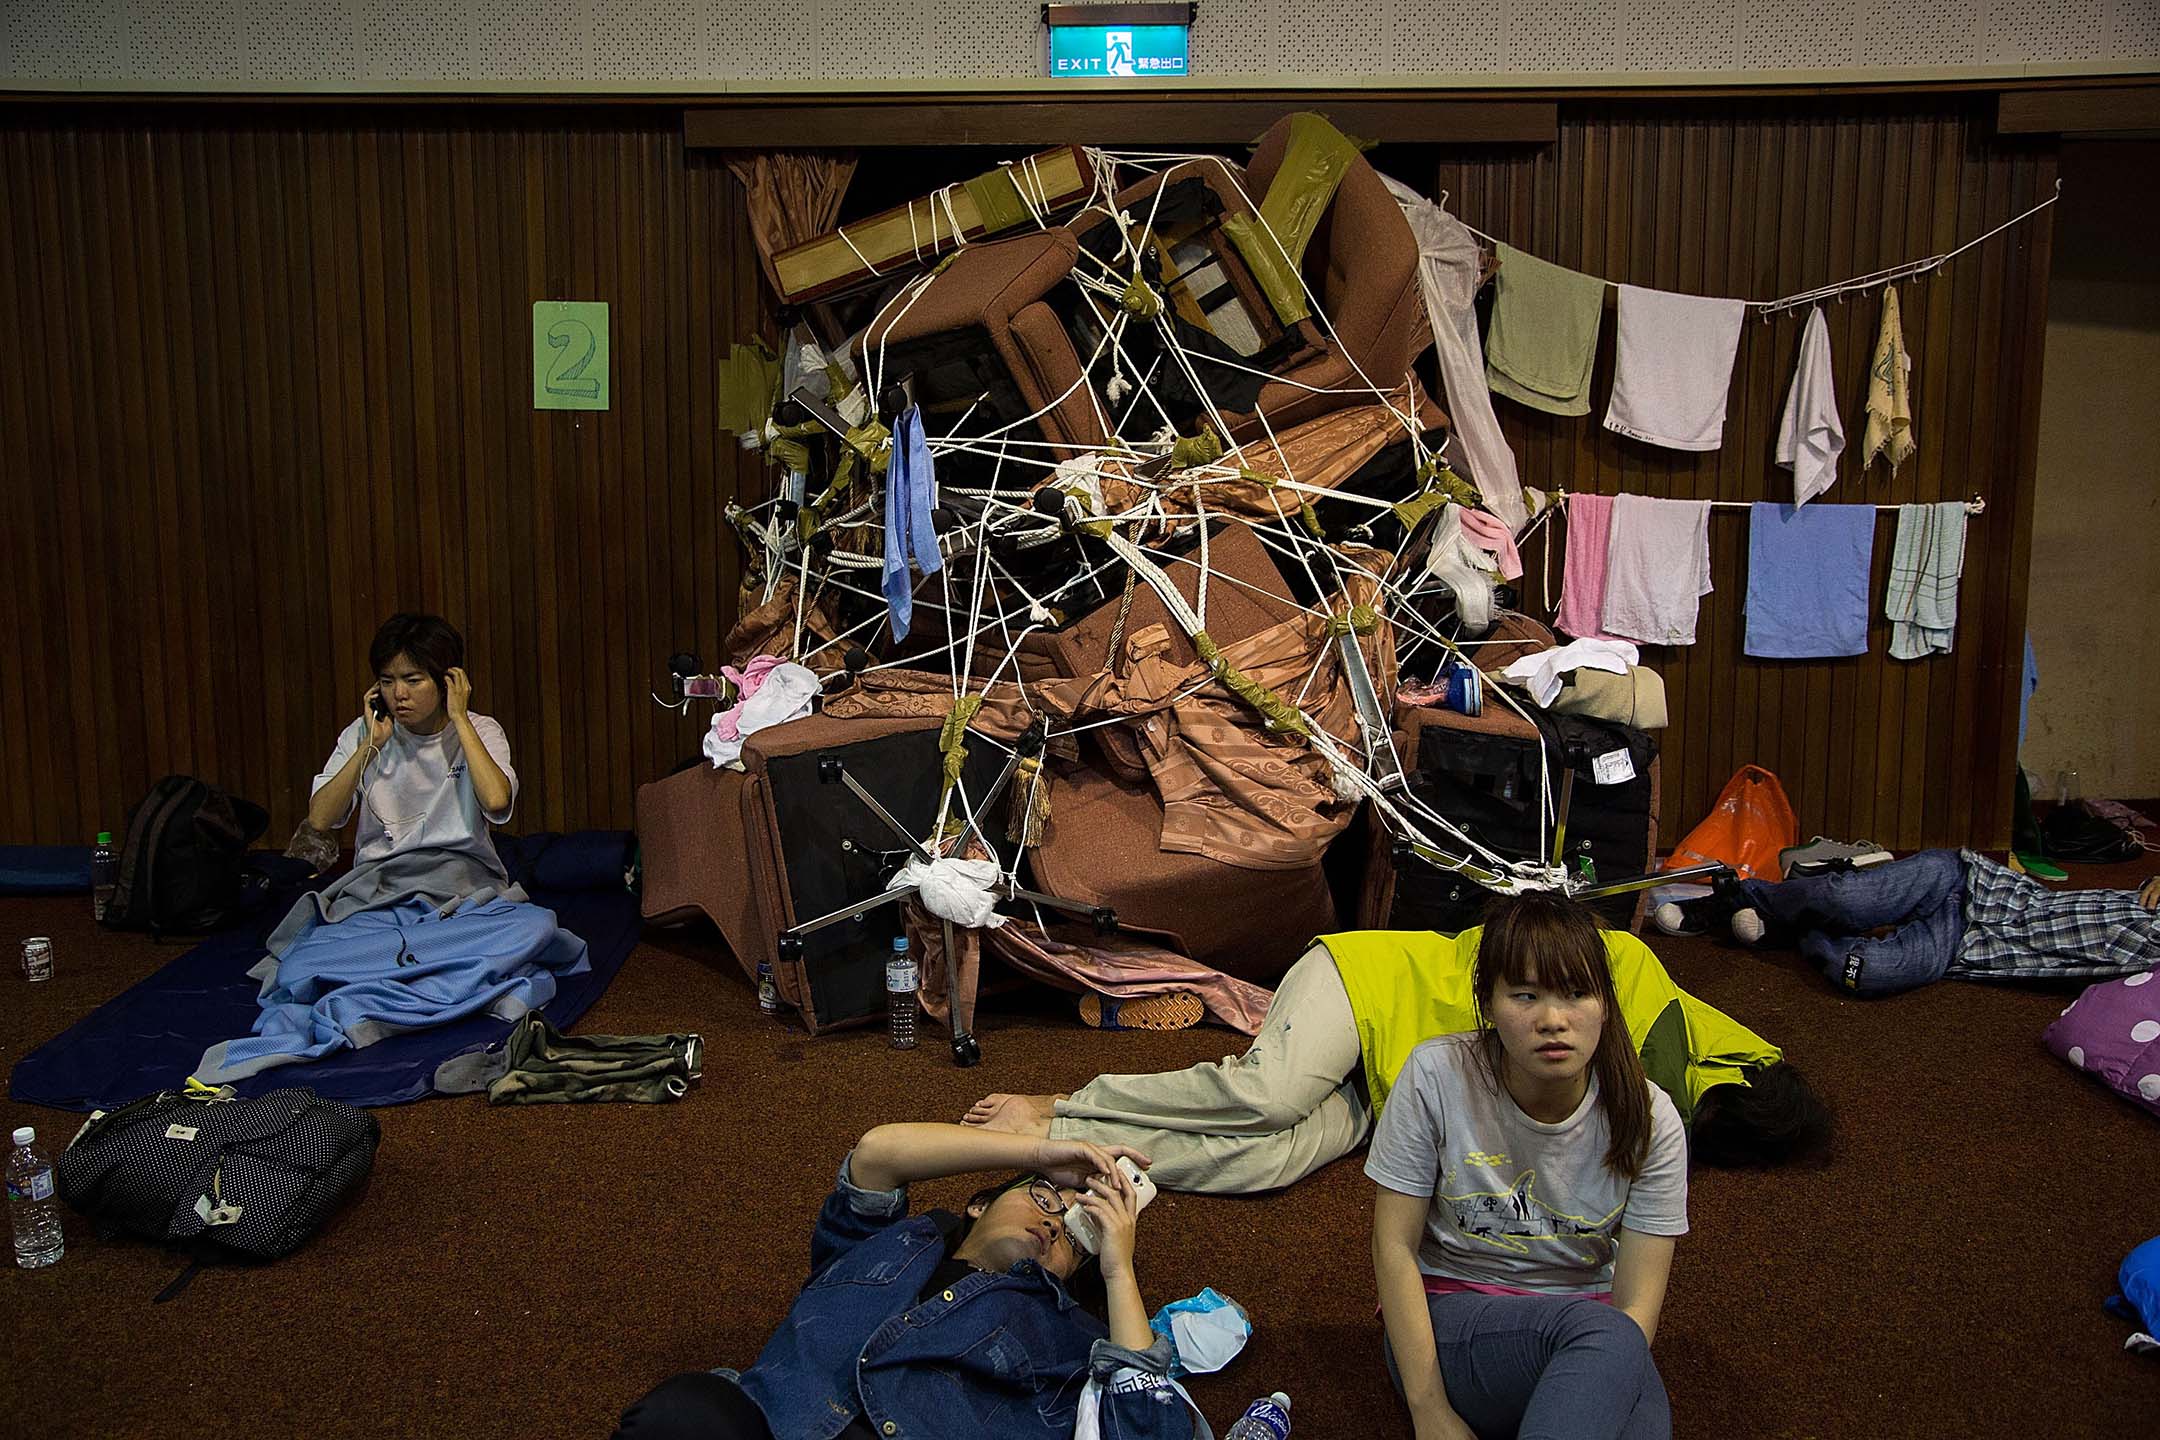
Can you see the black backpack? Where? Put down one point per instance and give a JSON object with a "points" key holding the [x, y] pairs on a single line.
{"points": [[221, 1176], [182, 864], [2075, 833]]}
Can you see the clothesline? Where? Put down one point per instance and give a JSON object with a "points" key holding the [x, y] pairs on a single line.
{"points": [[1975, 506], [1906, 270]]}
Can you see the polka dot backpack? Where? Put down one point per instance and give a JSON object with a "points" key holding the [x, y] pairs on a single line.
{"points": [[221, 1176]]}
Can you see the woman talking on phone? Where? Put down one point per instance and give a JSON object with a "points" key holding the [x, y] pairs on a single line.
{"points": [[423, 771], [426, 928]]}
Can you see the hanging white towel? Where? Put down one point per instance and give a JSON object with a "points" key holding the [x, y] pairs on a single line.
{"points": [[1811, 437], [1673, 368], [1448, 277], [1657, 569]]}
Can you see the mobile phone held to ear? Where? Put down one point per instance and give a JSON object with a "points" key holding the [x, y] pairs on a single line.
{"points": [[375, 703], [1082, 1228]]}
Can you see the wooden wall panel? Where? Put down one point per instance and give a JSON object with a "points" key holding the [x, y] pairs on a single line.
{"points": [[273, 385], [270, 382], [1757, 199]]}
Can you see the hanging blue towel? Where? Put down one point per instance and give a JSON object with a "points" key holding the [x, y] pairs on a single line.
{"points": [[910, 491], [2030, 683], [1807, 593]]}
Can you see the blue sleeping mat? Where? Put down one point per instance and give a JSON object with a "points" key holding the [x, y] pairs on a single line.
{"points": [[44, 869], [151, 1036]]}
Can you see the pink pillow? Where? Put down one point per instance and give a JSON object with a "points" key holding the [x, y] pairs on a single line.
{"points": [[2112, 1032]]}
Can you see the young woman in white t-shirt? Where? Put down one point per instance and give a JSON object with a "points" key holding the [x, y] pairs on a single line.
{"points": [[420, 769], [1531, 1185]]}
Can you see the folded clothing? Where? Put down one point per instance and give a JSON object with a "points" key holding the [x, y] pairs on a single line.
{"points": [[1807, 589], [1657, 569], [1636, 698], [1674, 367], [1543, 337], [1540, 673]]}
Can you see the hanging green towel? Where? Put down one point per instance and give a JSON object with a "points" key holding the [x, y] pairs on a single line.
{"points": [[1543, 337]]}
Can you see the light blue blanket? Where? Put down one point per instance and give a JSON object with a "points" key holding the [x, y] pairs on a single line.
{"points": [[397, 965]]}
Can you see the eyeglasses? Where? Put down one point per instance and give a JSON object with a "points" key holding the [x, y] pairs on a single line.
{"points": [[1051, 1201]]}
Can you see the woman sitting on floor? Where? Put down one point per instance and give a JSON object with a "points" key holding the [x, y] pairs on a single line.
{"points": [[1531, 1184], [948, 1325], [1343, 1020], [426, 928]]}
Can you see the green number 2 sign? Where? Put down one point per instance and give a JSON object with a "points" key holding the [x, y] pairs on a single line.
{"points": [[570, 355]]}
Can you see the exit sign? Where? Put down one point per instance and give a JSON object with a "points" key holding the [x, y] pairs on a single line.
{"points": [[1143, 42], [1137, 50]]}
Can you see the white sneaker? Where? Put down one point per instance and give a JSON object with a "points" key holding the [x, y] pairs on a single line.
{"points": [[1820, 856]]}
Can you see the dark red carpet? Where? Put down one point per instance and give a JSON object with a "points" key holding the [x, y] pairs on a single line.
{"points": [[526, 1272]]}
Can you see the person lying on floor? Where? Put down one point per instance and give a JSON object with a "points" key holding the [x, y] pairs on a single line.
{"points": [[1531, 1184], [426, 928], [1888, 928], [1342, 1022], [948, 1325]]}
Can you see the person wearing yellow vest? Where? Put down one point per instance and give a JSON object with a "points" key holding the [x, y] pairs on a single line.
{"points": [[1342, 1022]]}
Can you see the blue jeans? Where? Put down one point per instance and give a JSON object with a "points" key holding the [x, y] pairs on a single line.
{"points": [[1921, 898], [1545, 1367]]}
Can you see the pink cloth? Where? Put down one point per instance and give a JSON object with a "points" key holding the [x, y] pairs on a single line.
{"points": [[1122, 966], [1490, 534], [1582, 584], [746, 681]]}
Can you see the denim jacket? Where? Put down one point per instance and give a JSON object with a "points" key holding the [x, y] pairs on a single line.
{"points": [[1003, 1356]]}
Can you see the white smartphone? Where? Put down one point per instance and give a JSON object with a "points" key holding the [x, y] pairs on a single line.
{"points": [[1082, 1229]]}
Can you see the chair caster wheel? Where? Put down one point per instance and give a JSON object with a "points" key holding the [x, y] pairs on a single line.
{"points": [[966, 1051]]}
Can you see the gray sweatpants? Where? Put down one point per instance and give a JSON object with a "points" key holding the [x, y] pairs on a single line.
{"points": [[1545, 1367], [1256, 1121]]}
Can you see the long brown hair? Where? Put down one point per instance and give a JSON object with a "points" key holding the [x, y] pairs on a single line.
{"points": [[1557, 943]]}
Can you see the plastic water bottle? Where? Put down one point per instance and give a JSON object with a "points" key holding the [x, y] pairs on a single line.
{"points": [[33, 1205], [104, 874], [900, 995], [768, 993], [1267, 1418]]}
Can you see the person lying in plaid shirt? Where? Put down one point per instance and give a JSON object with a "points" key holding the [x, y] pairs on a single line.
{"points": [[1894, 927]]}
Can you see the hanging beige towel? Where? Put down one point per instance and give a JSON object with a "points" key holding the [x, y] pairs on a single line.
{"points": [[1889, 393], [1543, 337]]}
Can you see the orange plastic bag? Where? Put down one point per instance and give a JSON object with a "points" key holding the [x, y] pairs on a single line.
{"points": [[1750, 823]]}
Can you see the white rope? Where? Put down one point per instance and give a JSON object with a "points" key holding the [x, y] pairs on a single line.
{"points": [[1870, 281]]}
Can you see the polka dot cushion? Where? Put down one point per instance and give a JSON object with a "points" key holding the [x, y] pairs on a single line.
{"points": [[2112, 1032]]}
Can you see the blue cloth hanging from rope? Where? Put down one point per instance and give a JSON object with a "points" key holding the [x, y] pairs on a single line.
{"points": [[910, 491]]}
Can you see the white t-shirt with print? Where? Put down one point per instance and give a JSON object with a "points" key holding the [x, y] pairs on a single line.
{"points": [[1519, 1203], [415, 795]]}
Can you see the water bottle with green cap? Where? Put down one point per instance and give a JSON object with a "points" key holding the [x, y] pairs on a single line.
{"points": [[104, 874]]}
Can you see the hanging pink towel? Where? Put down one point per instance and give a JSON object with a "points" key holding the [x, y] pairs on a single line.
{"points": [[1490, 534], [1582, 583]]}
